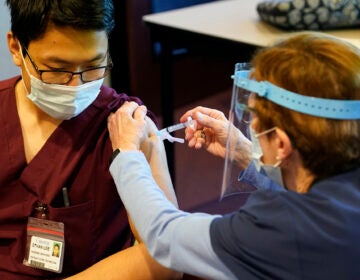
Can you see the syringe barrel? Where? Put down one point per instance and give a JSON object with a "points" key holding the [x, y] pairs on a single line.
{"points": [[175, 127]]}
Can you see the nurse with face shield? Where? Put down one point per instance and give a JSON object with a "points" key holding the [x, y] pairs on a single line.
{"points": [[292, 140]]}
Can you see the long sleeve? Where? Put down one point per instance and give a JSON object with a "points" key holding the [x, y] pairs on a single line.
{"points": [[176, 239]]}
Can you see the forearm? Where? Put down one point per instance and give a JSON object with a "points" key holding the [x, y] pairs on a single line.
{"points": [[132, 263], [154, 151], [175, 238]]}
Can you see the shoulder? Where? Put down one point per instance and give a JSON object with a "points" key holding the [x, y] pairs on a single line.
{"points": [[260, 208], [239, 236], [110, 100], [9, 84], [266, 214]]}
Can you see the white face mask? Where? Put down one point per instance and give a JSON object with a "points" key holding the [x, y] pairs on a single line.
{"points": [[60, 101], [272, 171]]}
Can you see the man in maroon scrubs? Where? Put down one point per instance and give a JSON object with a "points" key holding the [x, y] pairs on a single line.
{"points": [[54, 148]]}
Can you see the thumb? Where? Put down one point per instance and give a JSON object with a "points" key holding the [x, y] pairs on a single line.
{"points": [[205, 120], [140, 113]]}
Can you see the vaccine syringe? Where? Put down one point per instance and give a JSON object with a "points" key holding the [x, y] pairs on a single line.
{"points": [[190, 122], [165, 132]]}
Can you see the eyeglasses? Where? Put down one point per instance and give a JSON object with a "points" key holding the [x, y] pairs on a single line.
{"points": [[62, 77]]}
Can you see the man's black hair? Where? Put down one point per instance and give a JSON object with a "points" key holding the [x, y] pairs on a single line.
{"points": [[30, 18]]}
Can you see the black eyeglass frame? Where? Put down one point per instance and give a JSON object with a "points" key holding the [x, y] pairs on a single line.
{"points": [[40, 72]]}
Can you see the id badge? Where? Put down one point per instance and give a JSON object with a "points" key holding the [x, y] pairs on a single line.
{"points": [[45, 246]]}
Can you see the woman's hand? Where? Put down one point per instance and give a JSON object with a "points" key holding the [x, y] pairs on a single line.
{"points": [[127, 126], [211, 130]]}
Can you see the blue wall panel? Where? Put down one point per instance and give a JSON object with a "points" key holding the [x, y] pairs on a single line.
{"points": [[165, 5]]}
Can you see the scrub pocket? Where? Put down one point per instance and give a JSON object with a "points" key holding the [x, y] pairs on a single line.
{"points": [[79, 234]]}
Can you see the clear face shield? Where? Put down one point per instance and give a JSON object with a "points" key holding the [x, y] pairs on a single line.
{"points": [[239, 118]]}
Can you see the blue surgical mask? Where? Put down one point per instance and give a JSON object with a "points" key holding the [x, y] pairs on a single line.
{"points": [[271, 171], [60, 101]]}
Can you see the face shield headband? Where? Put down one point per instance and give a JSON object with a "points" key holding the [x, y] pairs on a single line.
{"points": [[240, 118], [319, 107]]}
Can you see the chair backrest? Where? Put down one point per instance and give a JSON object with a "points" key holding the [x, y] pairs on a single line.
{"points": [[165, 5]]}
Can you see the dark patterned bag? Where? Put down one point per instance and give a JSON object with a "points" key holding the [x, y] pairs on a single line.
{"points": [[310, 14]]}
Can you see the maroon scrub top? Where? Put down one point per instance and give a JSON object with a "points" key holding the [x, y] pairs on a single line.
{"points": [[75, 156]]}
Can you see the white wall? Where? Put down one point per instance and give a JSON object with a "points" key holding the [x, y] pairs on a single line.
{"points": [[7, 67]]}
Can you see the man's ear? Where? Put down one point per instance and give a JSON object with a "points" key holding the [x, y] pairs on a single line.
{"points": [[14, 48], [284, 146]]}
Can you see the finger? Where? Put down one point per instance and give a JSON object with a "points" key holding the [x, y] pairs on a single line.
{"points": [[140, 113], [130, 107], [189, 133], [144, 108], [111, 121], [205, 120], [192, 142], [110, 117], [198, 145], [127, 108], [200, 141], [192, 113], [197, 140]]}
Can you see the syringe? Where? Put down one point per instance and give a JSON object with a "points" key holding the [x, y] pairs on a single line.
{"points": [[165, 132], [190, 122]]}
